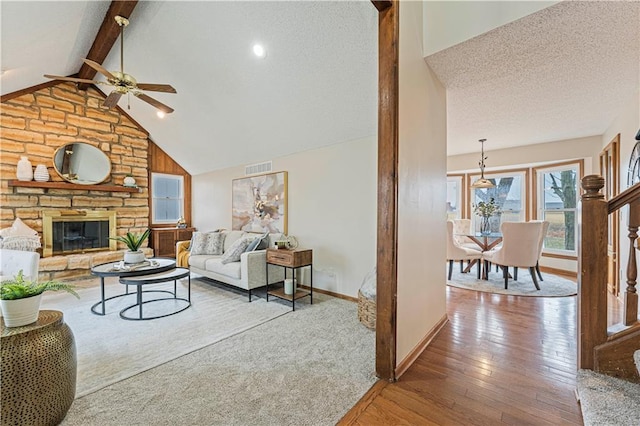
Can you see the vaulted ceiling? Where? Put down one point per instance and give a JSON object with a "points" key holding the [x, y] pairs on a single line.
{"points": [[562, 72]]}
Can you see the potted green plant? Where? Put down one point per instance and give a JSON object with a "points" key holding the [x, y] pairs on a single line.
{"points": [[133, 243], [20, 298]]}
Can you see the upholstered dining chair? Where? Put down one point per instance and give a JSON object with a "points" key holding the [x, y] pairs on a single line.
{"points": [[461, 228], [455, 252], [519, 249], [12, 261], [543, 234]]}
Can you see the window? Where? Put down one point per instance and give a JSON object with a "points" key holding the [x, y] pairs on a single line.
{"points": [[509, 193], [557, 200], [454, 197], [167, 198]]}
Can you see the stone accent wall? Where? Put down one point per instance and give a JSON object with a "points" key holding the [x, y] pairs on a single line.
{"points": [[35, 125]]}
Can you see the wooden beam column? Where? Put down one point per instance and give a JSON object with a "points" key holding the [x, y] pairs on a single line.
{"points": [[387, 238]]}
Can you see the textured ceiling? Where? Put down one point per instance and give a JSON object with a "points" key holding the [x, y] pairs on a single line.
{"points": [[560, 73], [316, 87]]}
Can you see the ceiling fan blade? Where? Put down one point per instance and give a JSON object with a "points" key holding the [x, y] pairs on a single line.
{"points": [[75, 80], [155, 103], [112, 99], [167, 88], [102, 70]]}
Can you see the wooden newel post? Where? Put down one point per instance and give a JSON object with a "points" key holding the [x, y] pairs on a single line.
{"points": [[631, 295], [592, 264]]}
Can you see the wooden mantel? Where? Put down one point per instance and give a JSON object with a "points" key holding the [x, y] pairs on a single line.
{"points": [[71, 186]]}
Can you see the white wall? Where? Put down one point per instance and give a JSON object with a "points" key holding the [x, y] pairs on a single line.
{"points": [[627, 124], [331, 208], [421, 189], [451, 22]]}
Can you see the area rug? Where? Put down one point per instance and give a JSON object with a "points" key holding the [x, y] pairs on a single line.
{"points": [[608, 400], [308, 367], [552, 286], [111, 349]]}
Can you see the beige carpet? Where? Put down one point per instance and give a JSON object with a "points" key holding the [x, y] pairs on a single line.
{"points": [[111, 349], [308, 367]]}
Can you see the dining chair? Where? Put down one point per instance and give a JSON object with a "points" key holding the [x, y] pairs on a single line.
{"points": [[519, 249], [455, 252], [462, 228], [543, 234]]}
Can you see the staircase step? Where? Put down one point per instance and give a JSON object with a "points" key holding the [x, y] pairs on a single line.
{"points": [[607, 400]]}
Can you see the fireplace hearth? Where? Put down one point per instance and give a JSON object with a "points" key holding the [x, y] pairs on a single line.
{"points": [[77, 231]]}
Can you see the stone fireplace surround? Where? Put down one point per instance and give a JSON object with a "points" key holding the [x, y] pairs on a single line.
{"points": [[34, 125]]}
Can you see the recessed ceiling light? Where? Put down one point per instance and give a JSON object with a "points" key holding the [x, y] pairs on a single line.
{"points": [[160, 114], [259, 50]]}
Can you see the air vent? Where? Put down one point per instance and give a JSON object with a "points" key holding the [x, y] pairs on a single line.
{"points": [[258, 168]]}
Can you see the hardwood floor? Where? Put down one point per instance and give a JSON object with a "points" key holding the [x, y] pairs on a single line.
{"points": [[500, 360]]}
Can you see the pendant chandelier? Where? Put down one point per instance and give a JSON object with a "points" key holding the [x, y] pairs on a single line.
{"points": [[482, 182]]}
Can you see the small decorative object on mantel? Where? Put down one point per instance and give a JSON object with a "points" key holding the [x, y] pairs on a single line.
{"points": [[41, 173], [129, 181], [181, 223], [25, 170], [485, 210]]}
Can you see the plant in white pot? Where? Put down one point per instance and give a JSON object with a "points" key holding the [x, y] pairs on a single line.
{"points": [[20, 298], [133, 243]]}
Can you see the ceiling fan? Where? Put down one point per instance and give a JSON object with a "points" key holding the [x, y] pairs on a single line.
{"points": [[122, 82]]}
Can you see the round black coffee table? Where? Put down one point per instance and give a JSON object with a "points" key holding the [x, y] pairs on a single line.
{"points": [[162, 277], [113, 269]]}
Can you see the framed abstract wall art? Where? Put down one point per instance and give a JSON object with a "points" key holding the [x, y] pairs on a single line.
{"points": [[259, 203]]}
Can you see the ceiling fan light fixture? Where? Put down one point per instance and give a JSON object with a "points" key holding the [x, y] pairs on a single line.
{"points": [[160, 114], [259, 50]]}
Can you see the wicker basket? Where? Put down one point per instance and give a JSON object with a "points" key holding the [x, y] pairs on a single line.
{"points": [[366, 311]]}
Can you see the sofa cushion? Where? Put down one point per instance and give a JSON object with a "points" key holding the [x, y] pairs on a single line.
{"points": [[259, 243], [207, 243], [231, 269], [235, 251], [200, 260], [231, 237]]}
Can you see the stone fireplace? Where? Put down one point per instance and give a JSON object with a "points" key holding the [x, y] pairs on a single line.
{"points": [[77, 231]]}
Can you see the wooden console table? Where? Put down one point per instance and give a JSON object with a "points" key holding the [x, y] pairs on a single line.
{"points": [[290, 259]]}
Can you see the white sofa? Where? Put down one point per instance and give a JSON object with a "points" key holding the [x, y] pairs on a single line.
{"points": [[247, 274]]}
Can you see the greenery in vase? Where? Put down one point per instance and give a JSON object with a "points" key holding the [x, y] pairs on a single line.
{"points": [[19, 288], [133, 241], [486, 209]]}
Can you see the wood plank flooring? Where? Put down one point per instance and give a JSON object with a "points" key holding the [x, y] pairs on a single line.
{"points": [[500, 360]]}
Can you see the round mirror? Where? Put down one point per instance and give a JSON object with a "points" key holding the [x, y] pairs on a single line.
{"points": [[81, 163]]}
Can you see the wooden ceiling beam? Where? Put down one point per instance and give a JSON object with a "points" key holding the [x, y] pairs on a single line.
{"points": [[106, 37]]}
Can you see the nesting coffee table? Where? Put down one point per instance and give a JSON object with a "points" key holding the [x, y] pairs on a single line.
{"points": [[156, 269]]}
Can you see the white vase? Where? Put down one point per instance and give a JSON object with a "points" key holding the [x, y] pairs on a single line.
{"points": [[24, 171], [21, 312], [41, 174], [134, 256]]}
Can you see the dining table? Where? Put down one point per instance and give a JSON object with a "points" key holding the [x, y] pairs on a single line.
{"points": [[485, 242]]}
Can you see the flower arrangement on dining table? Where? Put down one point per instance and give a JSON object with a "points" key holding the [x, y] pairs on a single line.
{"points": [[486, 209]]}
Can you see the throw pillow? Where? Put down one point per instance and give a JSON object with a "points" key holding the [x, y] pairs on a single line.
{"points": [[259, 243], [209, 243], [234, 252]]}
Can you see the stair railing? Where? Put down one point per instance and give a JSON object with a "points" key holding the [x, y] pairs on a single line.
{"points": [[593, 264]]}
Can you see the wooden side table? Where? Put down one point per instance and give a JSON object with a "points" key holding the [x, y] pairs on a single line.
{"points": [[290, 259], [38, 371]]}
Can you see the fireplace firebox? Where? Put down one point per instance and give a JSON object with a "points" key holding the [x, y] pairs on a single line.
{"points": [[77, 231]]}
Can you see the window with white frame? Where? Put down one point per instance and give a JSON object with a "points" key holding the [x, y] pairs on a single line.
{"points": [[558, 190], [454, 197], [167, 198], [509, 193]]}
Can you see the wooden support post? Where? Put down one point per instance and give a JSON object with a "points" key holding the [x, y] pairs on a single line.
{"points": [[631, 295], [592, 280]]}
